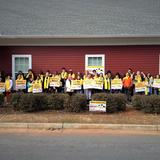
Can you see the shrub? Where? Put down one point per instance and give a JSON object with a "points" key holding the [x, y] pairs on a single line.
{"points": [[1, 100], [149, 104], [33, 102], [114, 102], [137, 102], [15, 101], [78, 103], [58, 101]]}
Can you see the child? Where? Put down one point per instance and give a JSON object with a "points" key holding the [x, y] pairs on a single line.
{"points": [[46, 82], [30, 84], [64, 76], [88, 92], [107, 82], [8, 86]]}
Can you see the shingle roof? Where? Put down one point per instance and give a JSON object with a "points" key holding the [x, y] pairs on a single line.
{"points": [[79, 17]]}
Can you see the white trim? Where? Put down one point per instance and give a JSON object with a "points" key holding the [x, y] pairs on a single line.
{"points": [[95, 55], [13, 62]]}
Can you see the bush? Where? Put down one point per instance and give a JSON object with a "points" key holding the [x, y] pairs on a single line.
{"points": [[78, 103], [114, 102], [33, 102], [149, 104], [1, 100], [15, 101], [137, 102], [58, 101]]}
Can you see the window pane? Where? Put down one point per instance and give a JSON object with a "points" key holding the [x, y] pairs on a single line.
{"points": [[21, 64], [22, 60], [94, 61], [99, 61], [17, 60], [89, 61]]}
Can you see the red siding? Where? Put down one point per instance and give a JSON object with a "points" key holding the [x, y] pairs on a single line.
{"points": [[117, 58]]}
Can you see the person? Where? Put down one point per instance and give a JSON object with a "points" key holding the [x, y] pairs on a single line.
{"points": [[88, 92], [29, 84], [46, 82], [117, 77], [68, 85], [8, 87], [107, 82], [157, 90], [2, 77], [30, 73], [64, 76], [127, 85], [79, 78], [71, 74], [20, 76]]}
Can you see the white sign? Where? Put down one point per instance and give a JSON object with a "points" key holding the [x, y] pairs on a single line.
{"points": [[97, 106]]}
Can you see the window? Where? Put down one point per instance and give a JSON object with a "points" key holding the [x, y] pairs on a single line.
{"points": [[20, 63], [95, 62]]}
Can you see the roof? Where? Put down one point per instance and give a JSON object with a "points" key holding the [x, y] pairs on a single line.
{"points": [[80, 17]]}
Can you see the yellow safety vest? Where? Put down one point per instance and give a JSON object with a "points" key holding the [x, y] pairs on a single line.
{"points": [[46, 82]]}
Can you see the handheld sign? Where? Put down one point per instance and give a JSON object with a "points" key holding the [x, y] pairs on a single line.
{"points": [[97, 106], [116, 84], [76, 84], [37, 88], [140, 87], [55, 82], [20, 84], [2, 87], [92, 84], [156, 83]]}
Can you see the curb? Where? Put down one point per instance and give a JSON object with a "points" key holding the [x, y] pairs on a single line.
{"points": [[80, 126]]}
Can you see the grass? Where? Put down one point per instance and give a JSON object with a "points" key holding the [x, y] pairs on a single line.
{"points": [[131, 116]]}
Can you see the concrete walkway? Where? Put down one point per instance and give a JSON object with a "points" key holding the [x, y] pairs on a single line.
{"points": [[80, 126]]}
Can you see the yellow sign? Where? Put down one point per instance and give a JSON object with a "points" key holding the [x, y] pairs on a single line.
{"points": [[20, 84], [2, 87], [156, 83], [116, 83], [37, 87], [140, 86], [92, 84], [55, 82], [99, 106], [99, 69], [75, 84]]}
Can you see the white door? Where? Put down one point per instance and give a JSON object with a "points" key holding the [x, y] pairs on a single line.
{"points": [[95, 62], [21, 63]]}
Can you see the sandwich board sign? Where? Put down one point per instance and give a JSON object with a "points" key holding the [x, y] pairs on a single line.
{"points": [[97, 106]]}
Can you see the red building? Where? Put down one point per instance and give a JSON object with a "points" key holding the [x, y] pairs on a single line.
{"points": [[80, 53]]}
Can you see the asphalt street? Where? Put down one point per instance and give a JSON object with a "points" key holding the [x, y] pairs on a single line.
{"points": [[89, 146]]}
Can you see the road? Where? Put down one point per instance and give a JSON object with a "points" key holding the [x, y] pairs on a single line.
{"points": [[48, 145]]}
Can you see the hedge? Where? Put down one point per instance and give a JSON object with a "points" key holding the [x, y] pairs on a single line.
{"points": [[78, 103], [1, 100], [114, 102], [29, 102], [148, 104], [58, 101], [39, 102]]}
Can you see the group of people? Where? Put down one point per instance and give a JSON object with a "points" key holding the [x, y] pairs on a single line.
{"points": [[65, 78]]}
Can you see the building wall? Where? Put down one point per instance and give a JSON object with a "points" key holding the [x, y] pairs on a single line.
{"points": [[117, 58]]}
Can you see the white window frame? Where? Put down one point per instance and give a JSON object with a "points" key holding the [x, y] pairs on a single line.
{"points": [[20, 56], [95, 55]]}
